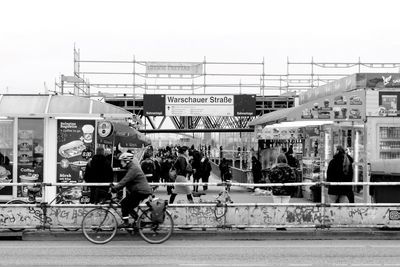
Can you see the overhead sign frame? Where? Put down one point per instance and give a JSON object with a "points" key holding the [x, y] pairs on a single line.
{"points": [[199, 105]]}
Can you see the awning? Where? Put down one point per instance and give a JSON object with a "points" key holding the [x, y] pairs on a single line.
{"points": [[274, 117], [125, 136], [58, 106]]}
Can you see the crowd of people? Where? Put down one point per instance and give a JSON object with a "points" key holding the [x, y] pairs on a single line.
{"points": [[181, 164], [189, 164]]}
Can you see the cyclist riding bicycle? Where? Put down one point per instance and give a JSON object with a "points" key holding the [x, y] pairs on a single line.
{"points": [[136, 184]]}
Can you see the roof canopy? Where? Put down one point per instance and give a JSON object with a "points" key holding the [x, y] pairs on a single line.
{"points": [[274, 117], [58, 105]]}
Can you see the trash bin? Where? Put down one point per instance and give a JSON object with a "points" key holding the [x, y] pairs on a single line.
{"points": [[388, 171]]}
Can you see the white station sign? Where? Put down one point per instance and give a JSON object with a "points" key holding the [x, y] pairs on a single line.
{"points": [[199, 105]]}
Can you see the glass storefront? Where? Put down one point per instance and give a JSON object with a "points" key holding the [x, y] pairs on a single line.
{"points": [[6, 155]]}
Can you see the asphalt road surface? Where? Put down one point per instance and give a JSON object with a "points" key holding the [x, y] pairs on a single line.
{"points": [[202, 253]]}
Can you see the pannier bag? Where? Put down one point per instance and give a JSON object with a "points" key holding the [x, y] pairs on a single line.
{"points": [[158, 207]]}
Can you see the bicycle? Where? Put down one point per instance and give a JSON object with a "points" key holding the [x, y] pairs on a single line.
{"points": [[100, 225], [221, 201], [61, 197]]}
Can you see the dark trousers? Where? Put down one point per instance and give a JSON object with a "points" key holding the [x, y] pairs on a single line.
{"points": [[130, 202], [196, 179], [204, 179]]}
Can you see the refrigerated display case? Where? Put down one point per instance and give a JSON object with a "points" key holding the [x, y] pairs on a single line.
{"points": [[389, 142]]}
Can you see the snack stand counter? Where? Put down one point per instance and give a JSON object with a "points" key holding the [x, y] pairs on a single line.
{"points": [[363, 110]]}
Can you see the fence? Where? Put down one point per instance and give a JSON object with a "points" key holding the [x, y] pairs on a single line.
{"points": [[226, 215]]}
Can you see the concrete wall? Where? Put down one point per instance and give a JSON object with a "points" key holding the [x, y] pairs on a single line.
{"points": [[233, 215]]}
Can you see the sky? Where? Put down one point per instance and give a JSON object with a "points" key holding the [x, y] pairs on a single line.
{"points": [[37, 38]]}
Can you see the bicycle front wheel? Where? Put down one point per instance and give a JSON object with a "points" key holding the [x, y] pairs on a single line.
{"points": [[16, 201], [99, 226], [152, 232]]}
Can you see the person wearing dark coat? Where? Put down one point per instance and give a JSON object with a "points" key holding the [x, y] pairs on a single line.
{"points": [[282, 173], [224, 168], [340, 169], [292, 161], [256, 170], [205, 169], [137, 187], [98, 170], [165, 167], [196, 161]]}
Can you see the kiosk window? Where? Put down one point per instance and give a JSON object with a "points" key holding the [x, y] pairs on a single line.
{"points": [[6, 157], [30, 152]]}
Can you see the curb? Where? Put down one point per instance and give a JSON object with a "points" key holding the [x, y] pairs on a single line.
{"points": [[223, 234]]}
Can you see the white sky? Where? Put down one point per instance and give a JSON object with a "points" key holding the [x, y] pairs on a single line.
{"points": [[37, 37]]}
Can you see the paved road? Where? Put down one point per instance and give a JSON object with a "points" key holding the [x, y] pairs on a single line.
{"points": [[202, 253]]}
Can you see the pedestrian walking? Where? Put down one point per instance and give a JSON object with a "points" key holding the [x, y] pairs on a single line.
{"points": [[256, 170], [340, 169], [166, 163], [183, 170], [224, 169], [205, 170], [282, 173], [196, 162], [98, 170]]}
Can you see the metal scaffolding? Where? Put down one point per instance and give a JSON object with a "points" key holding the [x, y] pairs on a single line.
{"points": [[124, 82]]}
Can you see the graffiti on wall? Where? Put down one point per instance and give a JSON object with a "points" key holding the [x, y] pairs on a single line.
{"points": [[211, 216]]}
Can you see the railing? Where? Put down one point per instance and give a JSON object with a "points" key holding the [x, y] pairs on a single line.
{"points": [[241, 215]]}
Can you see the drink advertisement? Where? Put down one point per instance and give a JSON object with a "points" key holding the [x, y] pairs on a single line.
{"points": [[75, 146], [383, 103], [30, 160]]}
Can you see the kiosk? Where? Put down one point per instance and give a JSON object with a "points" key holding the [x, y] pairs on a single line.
{"points": [[49, 138], [361, 112]]}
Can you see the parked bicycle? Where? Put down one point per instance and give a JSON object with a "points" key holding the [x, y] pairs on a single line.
{"points": [[60, 198], [100, 225], [221, 201]]}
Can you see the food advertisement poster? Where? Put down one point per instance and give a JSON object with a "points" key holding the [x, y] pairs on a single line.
{"points": [[348, 106], [281, 133], [75, 146]]}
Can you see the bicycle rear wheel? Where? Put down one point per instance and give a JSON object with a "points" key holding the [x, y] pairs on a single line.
{"points": [[152, 232], [99, 226], [16, 201]]}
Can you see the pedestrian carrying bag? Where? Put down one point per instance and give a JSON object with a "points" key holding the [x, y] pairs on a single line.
{"points": [[158, 207]]}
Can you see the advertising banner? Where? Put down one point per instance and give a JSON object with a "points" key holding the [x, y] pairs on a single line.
{"points": [[281, 133], [383, 103], [174, 68], [349, 106], [75, 146], [199, 105], [352, 82], [341, 85]]}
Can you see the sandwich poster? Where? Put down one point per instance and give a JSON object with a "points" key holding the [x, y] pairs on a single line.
{"points": [[75, 146]]}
